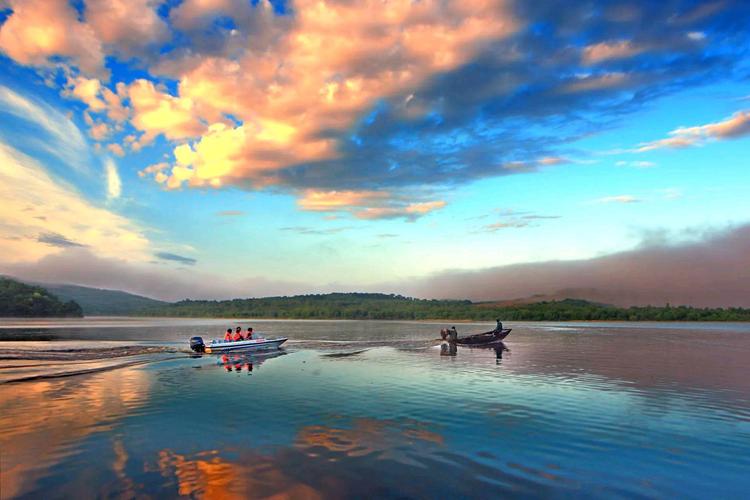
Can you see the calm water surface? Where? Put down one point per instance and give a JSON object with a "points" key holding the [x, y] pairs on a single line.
{"points": [[375, 409]]}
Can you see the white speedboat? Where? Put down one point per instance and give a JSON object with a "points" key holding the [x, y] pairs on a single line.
{"points": [[259, 344]]}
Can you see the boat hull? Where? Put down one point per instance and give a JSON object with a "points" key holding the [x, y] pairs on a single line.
{"points": [[245, 345], [484, 339]]}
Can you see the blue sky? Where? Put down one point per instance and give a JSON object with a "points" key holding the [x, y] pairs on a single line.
{"points": [[242, 149]]}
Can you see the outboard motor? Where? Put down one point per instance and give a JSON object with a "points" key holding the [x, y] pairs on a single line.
{"points": [[197, 345]]}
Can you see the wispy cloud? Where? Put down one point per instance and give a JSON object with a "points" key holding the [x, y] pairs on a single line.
{"points": [[735, 126], [512, 219], [57, 240], [368, 205], [230, 213], [176, 258], [59, 135], [622, 198], [114, 184], [316, 231], [636, 164], [40, 215]]}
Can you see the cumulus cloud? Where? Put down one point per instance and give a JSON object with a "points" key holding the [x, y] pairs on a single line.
{"points": [[128, 27], [329, 95], [39, 30], [40, 215], [713, 271], [735, 126], [156, 112]]}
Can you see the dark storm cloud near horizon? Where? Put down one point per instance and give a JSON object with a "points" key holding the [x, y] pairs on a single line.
{"points": [[532, 95], [711, 272]]}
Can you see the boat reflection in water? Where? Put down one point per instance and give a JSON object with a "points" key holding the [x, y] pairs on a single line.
{"points": [[238, 361], [451, 349]]}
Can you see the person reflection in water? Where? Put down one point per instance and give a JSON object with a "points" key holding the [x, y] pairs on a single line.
{"points": [[448, 349], [499, 350], [235, 363]]}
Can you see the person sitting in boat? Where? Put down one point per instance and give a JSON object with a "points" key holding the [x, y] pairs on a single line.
{"points": [[237, 334], [228, 335], [499, 325], [249, 335]]}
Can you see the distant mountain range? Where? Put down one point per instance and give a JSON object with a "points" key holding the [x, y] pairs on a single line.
{"points": [[102, 302]]}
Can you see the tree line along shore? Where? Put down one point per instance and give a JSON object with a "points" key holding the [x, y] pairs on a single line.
{"points": [[395, 307], [23, 300], [27, 301]]}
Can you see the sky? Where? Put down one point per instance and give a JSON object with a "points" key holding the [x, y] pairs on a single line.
{"points": [[483, 149]]}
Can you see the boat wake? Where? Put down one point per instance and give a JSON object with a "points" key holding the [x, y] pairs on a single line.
{"points": [[22, 365]]}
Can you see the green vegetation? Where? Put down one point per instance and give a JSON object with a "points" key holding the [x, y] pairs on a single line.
{"points": [[21, 300], [381, 306], [100, 302]]}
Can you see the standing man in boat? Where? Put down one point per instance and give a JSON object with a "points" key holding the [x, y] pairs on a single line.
{"points": [[499, 326]]}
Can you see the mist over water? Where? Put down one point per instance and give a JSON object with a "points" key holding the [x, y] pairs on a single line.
{"points": [[375, 409]]}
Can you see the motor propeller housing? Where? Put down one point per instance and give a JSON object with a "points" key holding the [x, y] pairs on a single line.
{"points": [[197, 345]]}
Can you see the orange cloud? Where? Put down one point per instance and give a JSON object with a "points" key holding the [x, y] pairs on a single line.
{"points": [[328, 201], [735, 126], [155, 112], [410, 211], [128, 26], [587, 83], [40, 29], [330, 66], [368, 205], [604, 51]]}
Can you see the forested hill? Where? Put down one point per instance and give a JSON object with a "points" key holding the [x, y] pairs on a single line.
{"points": [[382, 306], [101, 302], [21, 300]]}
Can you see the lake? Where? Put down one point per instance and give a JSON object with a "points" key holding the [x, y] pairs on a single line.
{"points": [[374, 410]]}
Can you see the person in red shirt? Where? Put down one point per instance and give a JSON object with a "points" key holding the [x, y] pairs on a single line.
{"points": [[249, 335], [228, 335], [237, 334]]}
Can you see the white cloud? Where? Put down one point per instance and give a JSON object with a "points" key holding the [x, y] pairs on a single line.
{"points": [[636, 164], [41, 216], [622, 198], [65, 140], [114, 184]]}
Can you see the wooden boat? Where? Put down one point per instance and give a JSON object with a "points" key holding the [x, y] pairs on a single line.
{"points": [[486, 338], [477, 339]]}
